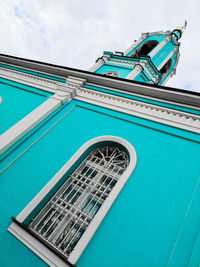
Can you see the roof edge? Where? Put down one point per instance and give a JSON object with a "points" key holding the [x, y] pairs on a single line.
{"points": [[158, 91]]}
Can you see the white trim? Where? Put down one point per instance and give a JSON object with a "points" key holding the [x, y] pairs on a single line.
{"points": [[142, 89], [30, 69], [158, 47], [97, 65], [136, 70], [144, 63], [74, 256], [134, 45], [23, 126], [174, 118], [144, 97], [29, 79], [36, 246], [142, 38], [166, 59]]}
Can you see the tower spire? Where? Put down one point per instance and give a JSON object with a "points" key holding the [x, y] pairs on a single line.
{"points": [[178, 32]]}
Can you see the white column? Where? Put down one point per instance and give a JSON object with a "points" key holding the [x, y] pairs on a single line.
{"points": [[158, 47], [136, 43], [23, 126], [166, 59], [136, 70]]}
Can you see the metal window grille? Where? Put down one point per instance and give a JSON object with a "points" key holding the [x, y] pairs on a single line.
{"points": [[67, 215]]}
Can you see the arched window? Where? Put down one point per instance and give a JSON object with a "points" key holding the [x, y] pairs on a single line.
{"points": [[145, 49], [67, 215], [68, 220], [165, 69]]}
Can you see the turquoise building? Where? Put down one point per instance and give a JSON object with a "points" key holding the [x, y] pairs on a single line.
{"points": [[100, 167]]}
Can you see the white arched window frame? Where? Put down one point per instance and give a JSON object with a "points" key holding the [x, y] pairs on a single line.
{"points": [[36, 246]]}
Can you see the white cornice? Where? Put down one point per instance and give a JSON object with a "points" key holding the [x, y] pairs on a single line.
{"points": [[73, 87], [179, 119], [130, 64], [28, 79]]}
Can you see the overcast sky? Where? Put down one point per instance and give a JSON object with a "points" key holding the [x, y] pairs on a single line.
{"points": [[74, 33]]}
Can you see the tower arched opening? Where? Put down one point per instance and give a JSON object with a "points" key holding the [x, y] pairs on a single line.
{"points": [[165, 69], [145, 49]]}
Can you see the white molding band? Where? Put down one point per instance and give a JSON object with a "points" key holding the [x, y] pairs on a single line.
{"points": [[151, 112], [131, 64], [24, 237], [29, 79], [73, 89], [145, 97], [23, 126]]}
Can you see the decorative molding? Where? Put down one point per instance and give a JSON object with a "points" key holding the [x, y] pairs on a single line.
{"points": [[145, 97], [129, 64], [179, 119], [74, 82], [28, 79], [150, 71]]}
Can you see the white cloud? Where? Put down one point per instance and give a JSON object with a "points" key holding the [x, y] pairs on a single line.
{"points": [[74, 33]]}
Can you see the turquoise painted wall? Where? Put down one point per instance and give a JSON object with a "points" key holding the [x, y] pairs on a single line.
{"points": [[151, 213], [163, 53], [14, 105]]}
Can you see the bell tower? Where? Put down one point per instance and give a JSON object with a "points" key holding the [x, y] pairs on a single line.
{"points": [[151, 59]]}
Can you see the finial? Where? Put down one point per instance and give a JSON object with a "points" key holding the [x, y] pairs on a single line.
{"points": [[185, 25], [180, 30]]}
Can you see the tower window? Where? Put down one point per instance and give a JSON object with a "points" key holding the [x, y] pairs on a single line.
{"points": [[145, 49], [111, 73], [165, 69]]}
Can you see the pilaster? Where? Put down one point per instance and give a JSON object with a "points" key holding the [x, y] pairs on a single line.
{"points": [[136, 70]]}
